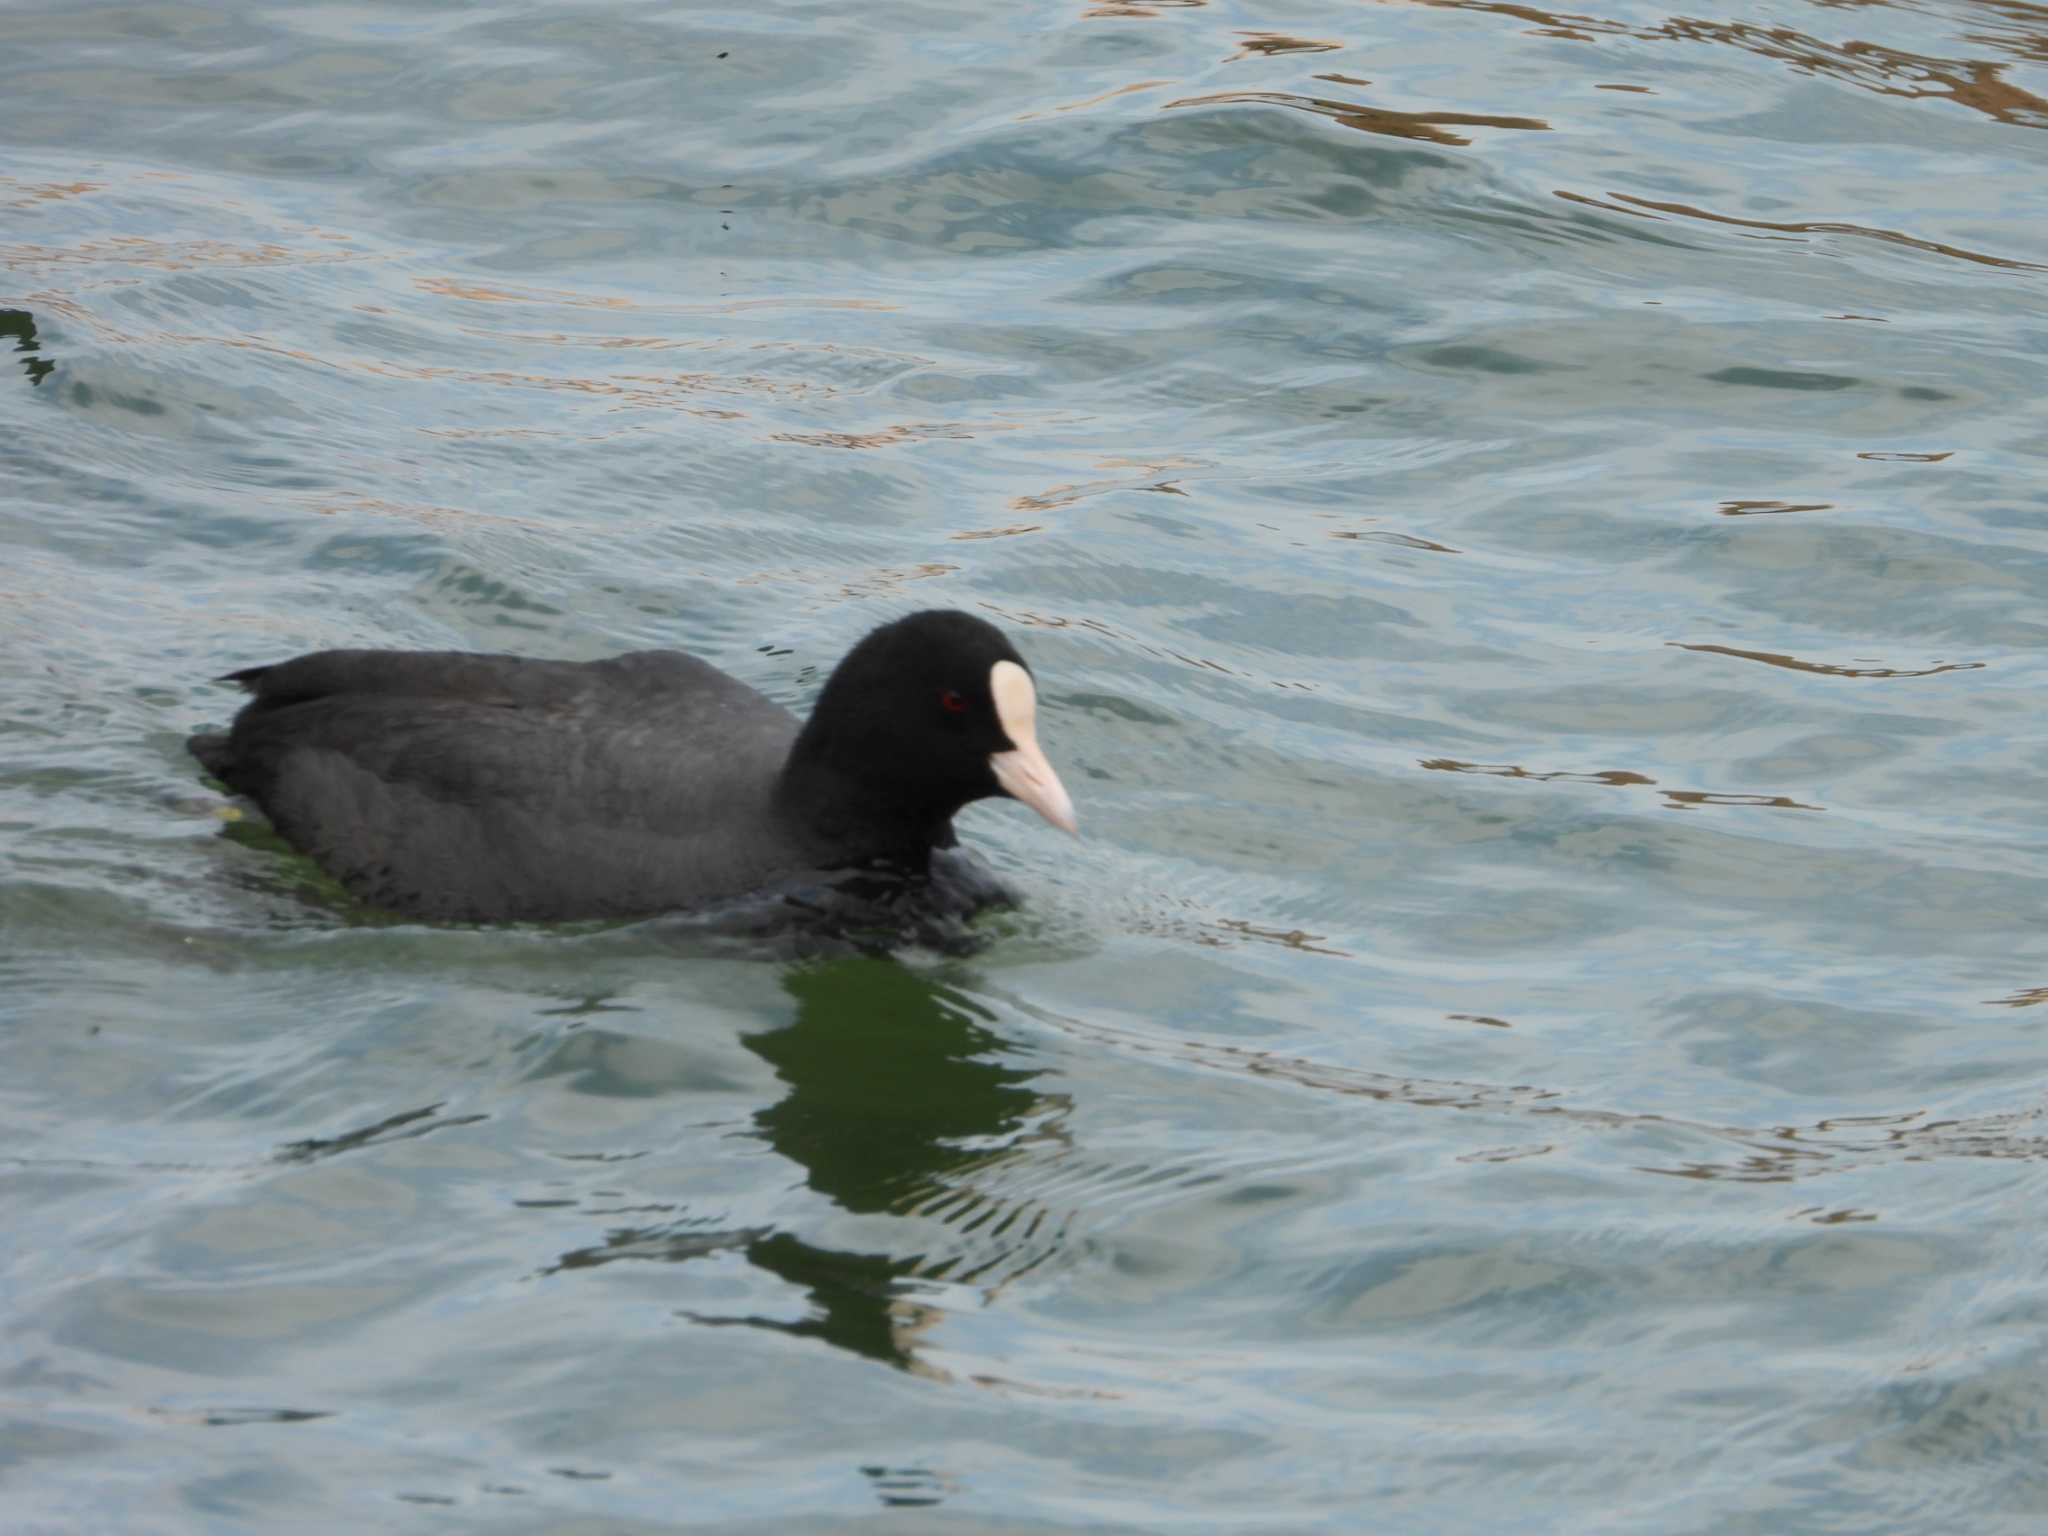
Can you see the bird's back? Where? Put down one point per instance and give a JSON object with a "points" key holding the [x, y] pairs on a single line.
{"points": [[472, 787]]}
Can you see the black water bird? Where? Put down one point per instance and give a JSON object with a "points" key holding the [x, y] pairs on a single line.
{"points": [[482, 788]]}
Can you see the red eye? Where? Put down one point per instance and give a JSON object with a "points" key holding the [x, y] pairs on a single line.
{"points": [[952, 702]]}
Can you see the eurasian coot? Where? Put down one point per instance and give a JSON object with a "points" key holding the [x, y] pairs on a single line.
{"points": [[477, 788]]}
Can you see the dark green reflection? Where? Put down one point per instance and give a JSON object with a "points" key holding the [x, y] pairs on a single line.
{"points": [[889, 1073], [895, 1097], [21, 326]]}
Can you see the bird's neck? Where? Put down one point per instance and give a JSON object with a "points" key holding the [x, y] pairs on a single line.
{"points": [[844, 818]]}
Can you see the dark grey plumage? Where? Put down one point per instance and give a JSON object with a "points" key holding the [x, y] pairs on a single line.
{"points": [[453, 786]]}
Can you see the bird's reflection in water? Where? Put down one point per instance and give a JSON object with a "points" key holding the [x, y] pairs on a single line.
{"points": [[19, 326], [895, 1091], [896, 1096]]}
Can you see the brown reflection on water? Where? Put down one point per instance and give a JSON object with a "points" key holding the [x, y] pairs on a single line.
{"points": [[1977, 84], [1906, 458], [1429, 127], [1095, 101], [479, 293], [1150, 475], [1615, 777], [1270, 44], [1407, 540], [601, 343], [1148, 467], [1645, 208], [1781, 1154], [1011, 532], [1286, 938], [1067, 495], [15, 193], [2028, 38], [167, 255], [1825, 669], [1687, 799], [2030, 998], [1137, 10], [1619, 778], [890, 437], [1767, 508]]}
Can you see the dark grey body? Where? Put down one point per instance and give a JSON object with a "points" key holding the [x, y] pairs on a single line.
{"points": [[464, 787], [469, 788]]}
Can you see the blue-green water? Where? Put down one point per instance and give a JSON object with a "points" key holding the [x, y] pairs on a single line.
{"points": [[1532, 529]]}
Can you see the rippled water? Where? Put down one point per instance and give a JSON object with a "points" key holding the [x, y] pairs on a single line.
{"points": [[1532, 528]]}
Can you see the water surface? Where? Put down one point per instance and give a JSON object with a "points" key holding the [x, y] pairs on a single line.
{"points": [[1531, 527]]}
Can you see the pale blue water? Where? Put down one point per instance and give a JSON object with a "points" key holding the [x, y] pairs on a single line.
{"points": [[1532, 529]]}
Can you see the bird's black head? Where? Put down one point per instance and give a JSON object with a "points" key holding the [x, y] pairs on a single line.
{"points": [[924, 715]]}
